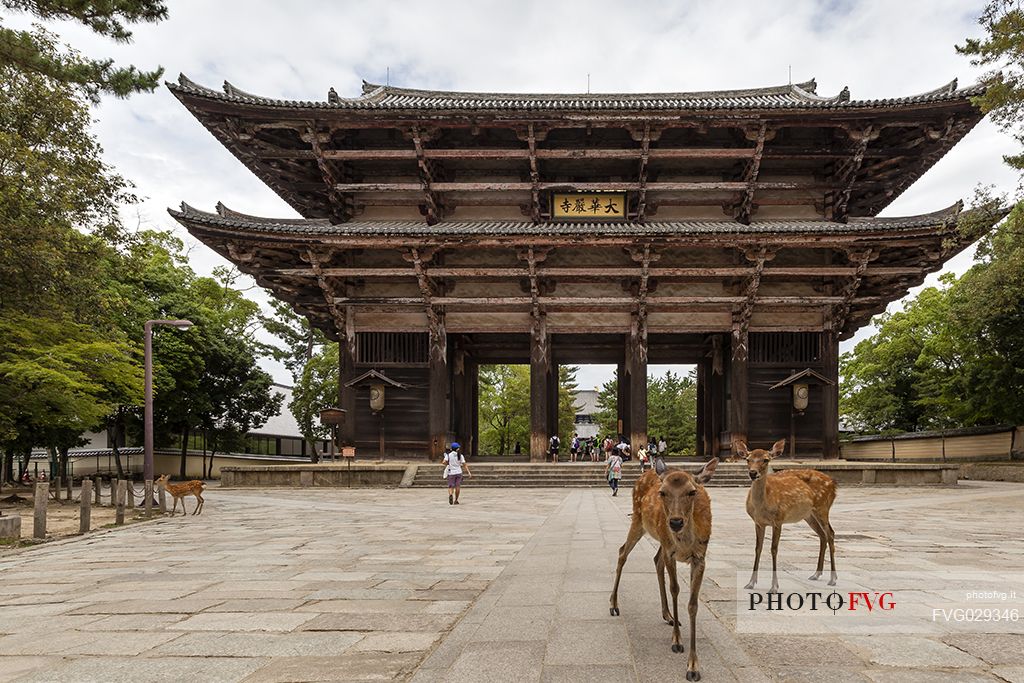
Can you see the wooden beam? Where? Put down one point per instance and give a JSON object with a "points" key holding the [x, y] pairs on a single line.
{"points": [[746, 205], [848, 174], [534, 175], [570, 186], [645, 151], [433, 205], [861, 258], [657, 301], [341, 206], [660, 153], [496, 273]]}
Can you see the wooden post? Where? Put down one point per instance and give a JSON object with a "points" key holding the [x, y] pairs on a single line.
{"points": [[119, 514], [830, 395], [553, 406], [702, 389], [437, 419], [96, 490], [162, 499], [636, 369], [738, 386], [346, 373], [473, 377], [67, 487], [41, 498], [85, 512], [621, 401], [540, 361], [130, 503], [147, 489]]}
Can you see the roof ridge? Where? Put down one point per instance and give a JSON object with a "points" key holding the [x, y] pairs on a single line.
{"points": [[806, 87]]}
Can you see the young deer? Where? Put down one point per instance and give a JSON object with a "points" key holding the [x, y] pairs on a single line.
{"points": [[784, 498], [675, 510], [179, 491]]}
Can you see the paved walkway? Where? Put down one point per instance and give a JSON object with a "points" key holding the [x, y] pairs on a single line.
{"points": [[324, 585]]}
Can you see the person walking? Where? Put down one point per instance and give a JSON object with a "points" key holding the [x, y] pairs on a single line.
{"points": [[454, 462], [574, 447], [553, 443], [613, 471], [662, 447]]}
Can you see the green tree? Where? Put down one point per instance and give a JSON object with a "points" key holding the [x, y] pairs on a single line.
{"points": [[504, 408], [672, 410], [35, 52], [316, 388], [567, 389], [608, 408]]}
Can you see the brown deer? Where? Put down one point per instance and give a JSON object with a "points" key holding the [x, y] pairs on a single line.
{"points": [[784, 498], [675, 510], [179, 491]]}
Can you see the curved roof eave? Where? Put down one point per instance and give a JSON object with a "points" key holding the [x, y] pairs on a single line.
{"points": [[383, 97], [228, 221]]}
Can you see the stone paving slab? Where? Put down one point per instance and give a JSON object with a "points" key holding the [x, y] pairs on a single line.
{"points": [[510, 586]]}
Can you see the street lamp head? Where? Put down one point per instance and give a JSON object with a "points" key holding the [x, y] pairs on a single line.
{"points": [[332, 416], [181, 324]]}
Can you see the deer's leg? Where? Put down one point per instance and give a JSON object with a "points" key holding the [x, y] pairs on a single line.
{"points": [[696, 577], [636, 532], [174, 508], [202, 502], [776, 535], [813, 522], [673, 584], [758, 544], [659, 566], [831, 534]]}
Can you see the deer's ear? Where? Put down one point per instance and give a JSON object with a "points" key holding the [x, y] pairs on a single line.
{"points": [[741, 448], [778, 448], [709, 470]]}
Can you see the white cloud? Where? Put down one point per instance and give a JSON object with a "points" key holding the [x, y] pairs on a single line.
{"points": [[301, 48]]}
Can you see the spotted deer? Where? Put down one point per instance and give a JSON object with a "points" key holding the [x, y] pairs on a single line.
{"points": [[179, 491], [675, 509], [784, 498]]}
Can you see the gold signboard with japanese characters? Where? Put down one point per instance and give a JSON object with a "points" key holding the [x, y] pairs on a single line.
{"points": [[588, 205]]}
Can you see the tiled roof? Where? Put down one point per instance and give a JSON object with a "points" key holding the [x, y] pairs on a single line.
{"points": [[385, 97], [229, 220]]}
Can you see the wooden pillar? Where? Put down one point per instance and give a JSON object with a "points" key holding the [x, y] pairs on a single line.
{"points": [[85, 509], [636, 370], [438, 381], [347, 373], [701, 427], [540, 373], [738, 386], [830, 395], [473, 378], [460, 399], [553, 405], [622, 401]]}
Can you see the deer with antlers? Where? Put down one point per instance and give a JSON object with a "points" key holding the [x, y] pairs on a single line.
{"points": [[784, 498], [179, 491], [675, 509]]}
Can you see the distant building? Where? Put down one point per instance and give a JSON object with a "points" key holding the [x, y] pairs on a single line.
{"points": [[586, 413]]}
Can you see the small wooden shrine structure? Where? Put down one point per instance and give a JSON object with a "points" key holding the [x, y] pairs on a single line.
{"points": [[736, 230]]}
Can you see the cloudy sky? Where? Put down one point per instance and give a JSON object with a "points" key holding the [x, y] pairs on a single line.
{"points": [[299, 49]]}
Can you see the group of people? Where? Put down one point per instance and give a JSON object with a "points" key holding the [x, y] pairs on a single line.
{"points": [[592, 449], [618, 451]]}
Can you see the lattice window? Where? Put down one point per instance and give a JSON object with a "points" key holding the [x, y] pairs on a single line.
{"points": [[391, 348], [785, 347]]}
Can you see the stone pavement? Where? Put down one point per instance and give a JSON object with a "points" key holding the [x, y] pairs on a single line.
{"points": [[332, 585]]}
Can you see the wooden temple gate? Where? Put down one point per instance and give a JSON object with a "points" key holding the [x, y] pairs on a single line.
{"points": [[734, 230]]}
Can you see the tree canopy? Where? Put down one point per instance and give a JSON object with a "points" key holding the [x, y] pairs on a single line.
{"points": [[36, 53]]}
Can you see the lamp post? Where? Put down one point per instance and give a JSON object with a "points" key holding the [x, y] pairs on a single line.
{"points": [[332, 417], [147, 460]]}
